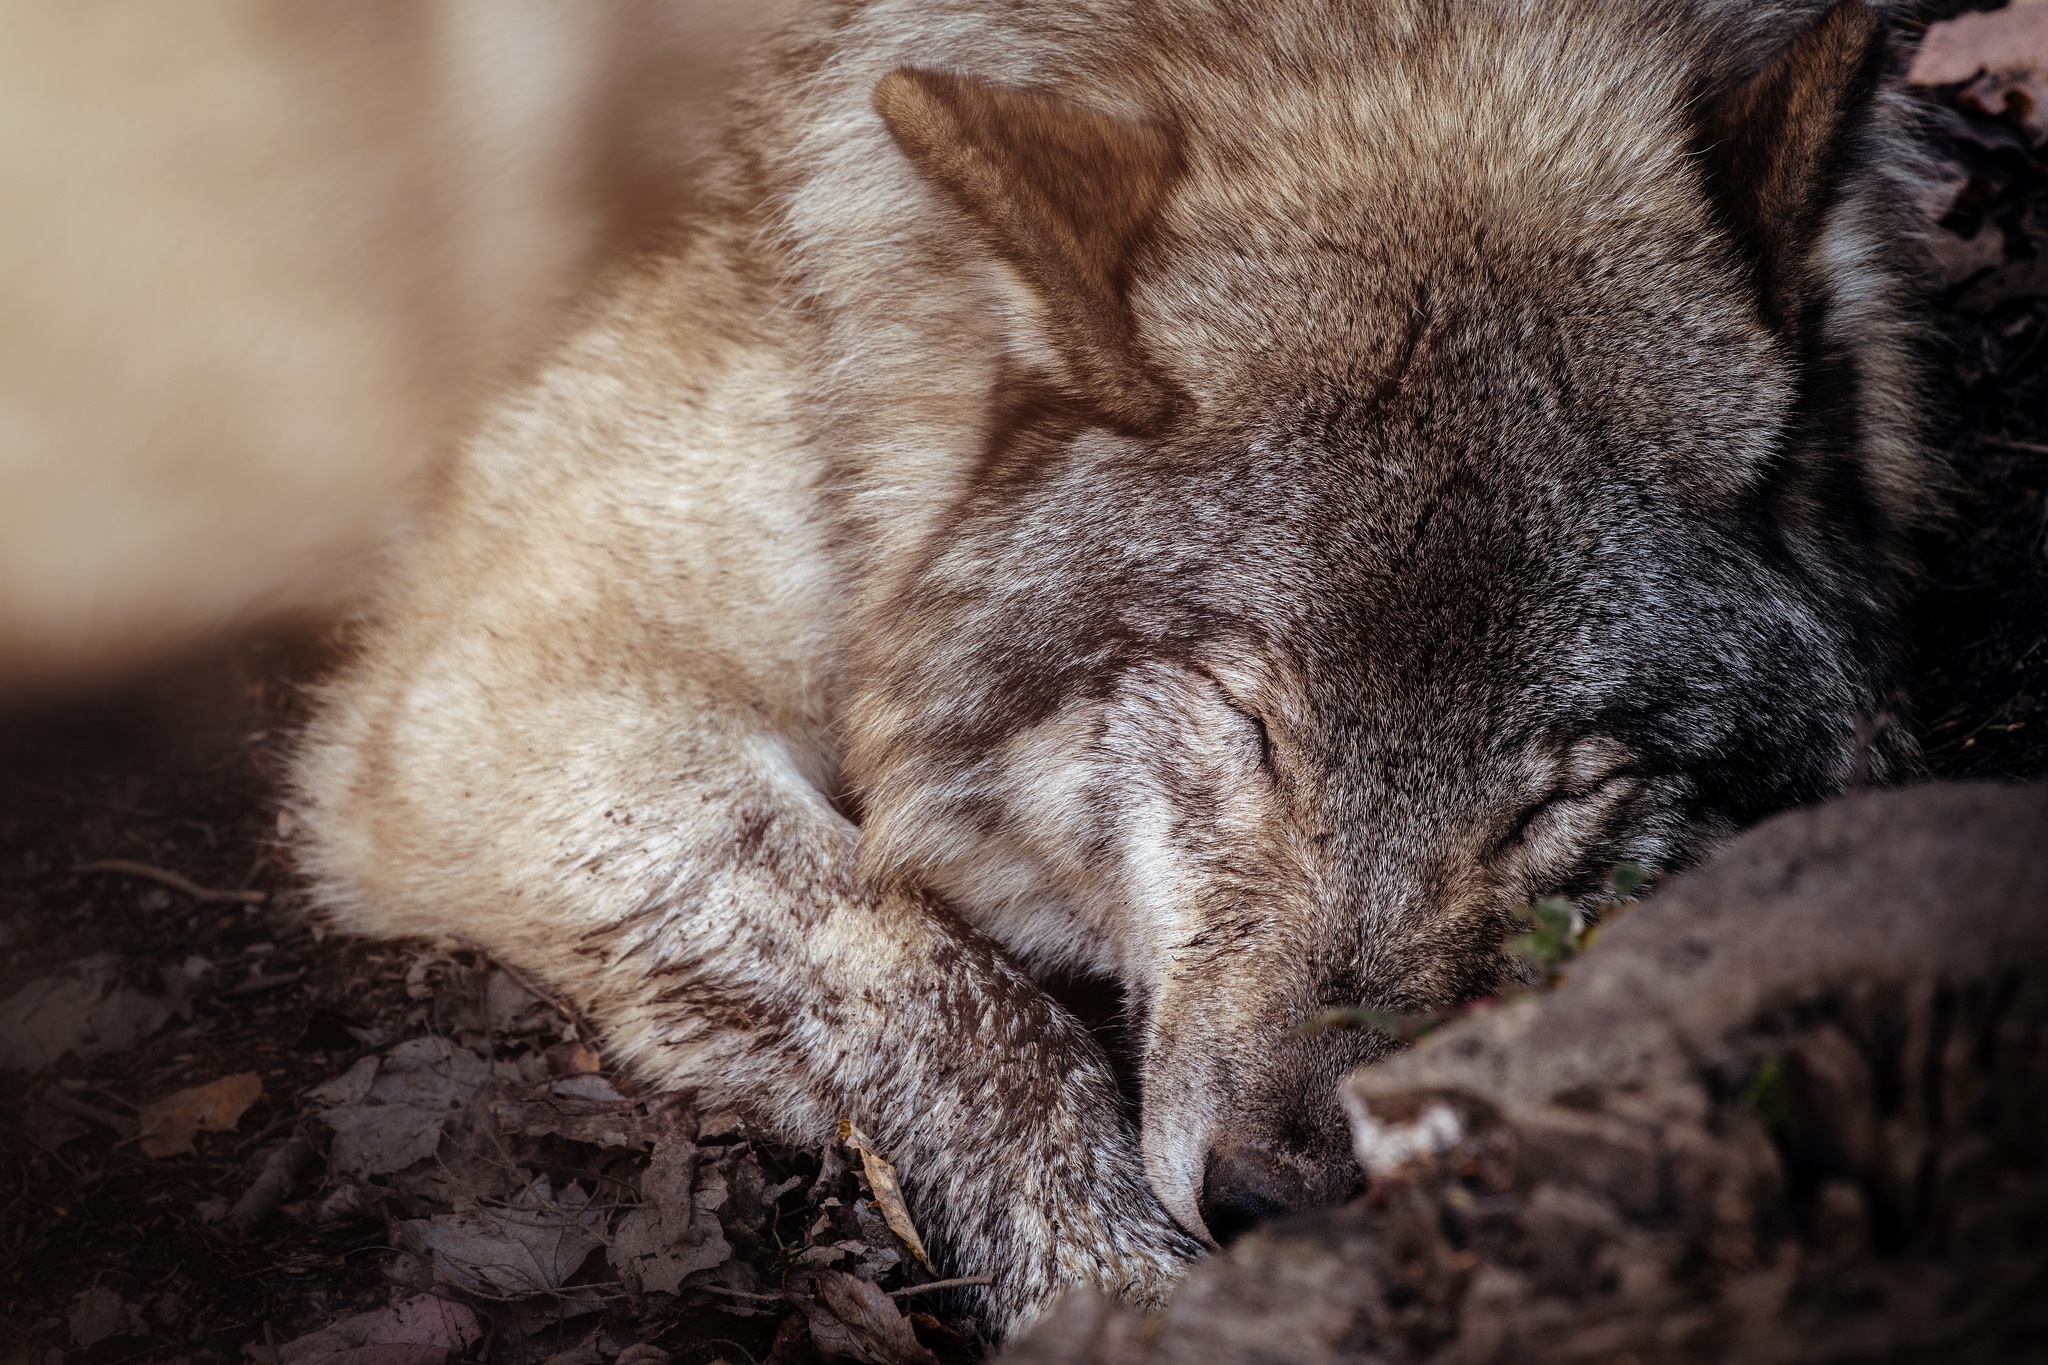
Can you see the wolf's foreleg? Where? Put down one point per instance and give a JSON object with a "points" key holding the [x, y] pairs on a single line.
{"points": [[758, 967], [682, 882]]}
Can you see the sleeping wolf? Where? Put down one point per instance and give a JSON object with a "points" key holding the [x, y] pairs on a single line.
{"points": [[1232, 495]]}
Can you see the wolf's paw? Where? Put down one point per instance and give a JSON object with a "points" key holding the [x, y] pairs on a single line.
{"points": [[1126, 1247]]}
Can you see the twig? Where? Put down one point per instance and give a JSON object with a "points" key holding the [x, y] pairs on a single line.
{"points": [[204, 895], [740, 1294], [959, 1282], [256, 983], [281, 1170], [269, 1130], [118, 1124], [605, 1289], [111, 1097]]}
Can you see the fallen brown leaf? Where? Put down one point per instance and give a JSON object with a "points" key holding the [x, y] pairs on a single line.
{"points": [[423, 1330], [170, 1124], [576, 1058], [531, 1246], [676, 1231], [851, 1319], [942, 1341], [388, 1112], [643, 1353], [2002, 53], [540, 1118], [2012, 39], [100, 1313], [85, 1010], [587, 1090], [888, 1191]]}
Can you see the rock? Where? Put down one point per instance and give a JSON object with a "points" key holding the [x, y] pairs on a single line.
{"points": [[97, 1314], [1793, 1108], [281, 1169]]}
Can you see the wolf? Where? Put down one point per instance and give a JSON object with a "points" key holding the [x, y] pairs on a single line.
{"points": [[1231, 496]]}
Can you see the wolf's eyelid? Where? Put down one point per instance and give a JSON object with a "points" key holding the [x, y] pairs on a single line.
{"points": [[1590, 763], [1561, 795], [1259, 728], [1581, 790]]}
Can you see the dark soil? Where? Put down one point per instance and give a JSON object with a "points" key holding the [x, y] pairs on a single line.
{"points": [[1978, 688], [178, 770]]}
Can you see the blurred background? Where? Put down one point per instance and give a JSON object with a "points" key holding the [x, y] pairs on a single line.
{"points": [[259, 258]]}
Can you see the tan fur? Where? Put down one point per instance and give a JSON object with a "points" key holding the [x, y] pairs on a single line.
{"points": [[1063, 196], [1224, 496]]}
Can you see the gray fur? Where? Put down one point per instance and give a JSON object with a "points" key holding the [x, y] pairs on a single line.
{"points": [[807, 657]]}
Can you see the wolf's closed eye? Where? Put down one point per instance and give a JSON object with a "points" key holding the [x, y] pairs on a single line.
{"points": [[1554, 829]]}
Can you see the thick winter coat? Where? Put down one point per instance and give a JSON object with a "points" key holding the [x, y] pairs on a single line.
{"points": [[1237, 496]]}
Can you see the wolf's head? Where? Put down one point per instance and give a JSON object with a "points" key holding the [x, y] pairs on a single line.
{"points": [[1421, 485]]}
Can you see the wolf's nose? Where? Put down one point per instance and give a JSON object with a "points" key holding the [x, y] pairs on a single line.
{"points": [[1243, 1186]]}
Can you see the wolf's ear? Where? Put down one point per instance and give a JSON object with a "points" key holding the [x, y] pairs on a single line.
{"points": [[1061, 193], [1774, 146]]}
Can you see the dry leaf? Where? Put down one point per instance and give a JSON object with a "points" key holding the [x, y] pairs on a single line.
{"points": [[512, 1010], [588, 1091], [942, 1341], [888, 1192], [2019, 280], [852, 1319], [2010, 40], [388, 1112], [676, 1230], [643, 1353], [530, 1247], [86, 1010], [2002, 53], [574, 1058], [170, 1124], [98, 1314], [540, 1118], [423, 1330]]}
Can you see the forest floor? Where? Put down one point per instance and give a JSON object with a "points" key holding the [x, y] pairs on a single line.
{"points": [[221, 1133]]}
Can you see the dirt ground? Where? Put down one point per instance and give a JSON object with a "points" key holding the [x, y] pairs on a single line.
{"points": [[563, 1216]]}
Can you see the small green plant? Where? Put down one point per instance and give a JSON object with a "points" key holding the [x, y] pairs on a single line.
{"points": [[1625, 879], [1764, 1095], [1556, 933]]}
